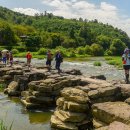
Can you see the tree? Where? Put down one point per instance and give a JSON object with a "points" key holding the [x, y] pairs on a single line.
{"points": [[104, 41], [117, 47], [7, 36], [33, 41], [97, 50]]}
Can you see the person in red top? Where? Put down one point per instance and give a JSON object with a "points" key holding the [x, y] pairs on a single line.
{"points": [[29, 57]]}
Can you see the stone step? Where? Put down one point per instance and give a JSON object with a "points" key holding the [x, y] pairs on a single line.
{"points": [[112, 111]]}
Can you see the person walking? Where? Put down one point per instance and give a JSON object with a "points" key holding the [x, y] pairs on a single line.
{"points": [[29, 57], [59, 60], [126, 64], [49, 59]]}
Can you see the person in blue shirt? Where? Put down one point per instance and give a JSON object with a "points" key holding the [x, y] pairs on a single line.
{"points": [[59, 60], [126, 63]]}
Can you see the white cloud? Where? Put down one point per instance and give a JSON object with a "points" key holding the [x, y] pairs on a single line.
{"points": [[106, 13], [27, 11]]}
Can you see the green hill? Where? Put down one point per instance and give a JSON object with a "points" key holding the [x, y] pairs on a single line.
{"points": [[48, 31]]}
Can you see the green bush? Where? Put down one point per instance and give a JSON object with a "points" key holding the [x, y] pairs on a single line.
{"points": [[81, 50], [15, 51], [88, 50], [42, 51], [97, 63], [72, 54]]}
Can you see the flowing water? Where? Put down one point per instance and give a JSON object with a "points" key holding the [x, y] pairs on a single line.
{"points": [[13, 112]]}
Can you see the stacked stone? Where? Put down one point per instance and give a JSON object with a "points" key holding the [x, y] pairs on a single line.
{"points": [[44, 92], [19, 81], [73, 110], [100, 91], [110, 112]]}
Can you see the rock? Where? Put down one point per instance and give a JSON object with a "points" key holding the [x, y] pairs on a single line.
{"points": [[14, 72], [118, 126], [22, 81], [76, 95], [30, 105], [67, 116], [101, 83], [98, 124], [115, 126], [13, 93], [84, 88], [103, 128], [108, 91], [102, 77], [112, 111], [35, 76], [13, 86], [25, 94], [127, 101], [58, 124], [40, 100], [73, 72], [72, 106], [94, 94], [125, 90]]}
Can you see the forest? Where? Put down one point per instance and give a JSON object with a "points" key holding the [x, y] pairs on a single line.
{"points": [[21, 33]]}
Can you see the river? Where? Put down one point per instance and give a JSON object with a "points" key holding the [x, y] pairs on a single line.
{"points": [[13, 112]]}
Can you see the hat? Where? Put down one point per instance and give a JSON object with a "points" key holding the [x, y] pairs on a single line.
{"points": [[126, 49]]}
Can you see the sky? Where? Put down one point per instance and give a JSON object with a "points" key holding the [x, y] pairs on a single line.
{"points": [[113, 12]]}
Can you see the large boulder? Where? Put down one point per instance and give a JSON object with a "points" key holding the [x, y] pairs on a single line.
{"points": [[116, 126], [112, 111], [76, 95]]}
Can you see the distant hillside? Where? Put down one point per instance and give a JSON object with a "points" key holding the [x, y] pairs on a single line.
{"points": [[47, 30]]}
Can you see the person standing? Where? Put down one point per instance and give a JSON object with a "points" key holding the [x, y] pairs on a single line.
{"points": [[4, 57], [126, 63], [29, 57], [11, 58], [49, 59], [59, 60], [7, 57]]}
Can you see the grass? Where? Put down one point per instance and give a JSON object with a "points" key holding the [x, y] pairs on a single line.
{"points": [[97, 63], [3, 127], [115, 60], [1, 87], [39, 56]]}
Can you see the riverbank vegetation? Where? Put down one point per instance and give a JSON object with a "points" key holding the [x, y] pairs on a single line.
{"points": [[74, 37], [115, 60]]}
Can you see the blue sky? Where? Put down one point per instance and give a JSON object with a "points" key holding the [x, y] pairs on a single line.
{"points": [[114, 12]]}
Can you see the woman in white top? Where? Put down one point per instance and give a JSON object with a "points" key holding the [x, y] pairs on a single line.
{"points": [[126, 63]]}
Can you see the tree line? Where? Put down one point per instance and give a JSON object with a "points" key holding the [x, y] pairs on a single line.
{"points": [[24, 33]]}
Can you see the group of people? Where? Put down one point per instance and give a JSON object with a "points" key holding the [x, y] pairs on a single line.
{"points": [[58, 59], [7, 57]]}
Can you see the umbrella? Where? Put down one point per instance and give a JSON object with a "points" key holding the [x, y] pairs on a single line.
{"points": [[4, 50]]}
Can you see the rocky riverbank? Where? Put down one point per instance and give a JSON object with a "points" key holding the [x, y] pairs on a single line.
{"points": [[82, 103]]}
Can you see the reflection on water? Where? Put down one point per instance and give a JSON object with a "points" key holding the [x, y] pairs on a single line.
{"points": [[12, 111]]}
